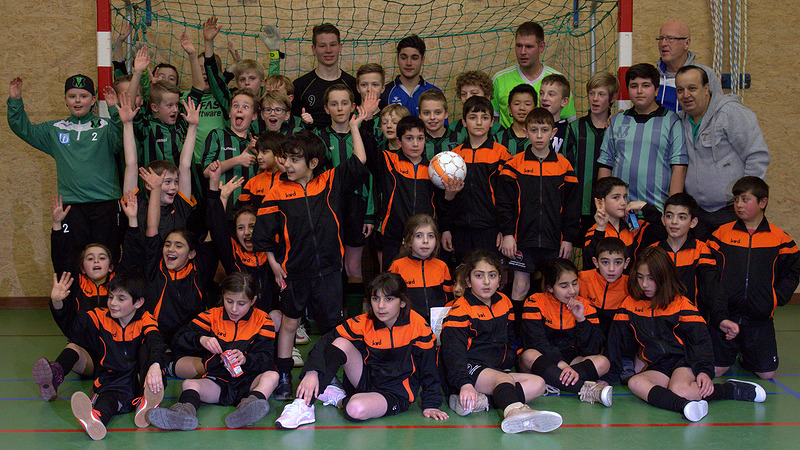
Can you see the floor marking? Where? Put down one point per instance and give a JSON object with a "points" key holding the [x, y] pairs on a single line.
{"points": [[785, 388]]}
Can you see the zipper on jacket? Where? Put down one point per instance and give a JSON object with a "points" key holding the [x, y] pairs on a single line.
{"points": [[313, 232]]}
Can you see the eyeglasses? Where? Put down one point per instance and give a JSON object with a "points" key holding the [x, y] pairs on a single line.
{"points": [[275, 110], [670, 39]]}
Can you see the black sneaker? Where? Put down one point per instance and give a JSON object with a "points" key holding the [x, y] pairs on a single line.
{"points": [[747, 391], [284, 391]]}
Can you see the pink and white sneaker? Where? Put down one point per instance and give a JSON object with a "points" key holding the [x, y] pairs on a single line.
{"points": [[295, 414]]}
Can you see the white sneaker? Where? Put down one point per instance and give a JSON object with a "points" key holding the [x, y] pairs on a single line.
{"points": [[295, 414], [332, 396], [301, 336], [695, 411], [297, 357]]}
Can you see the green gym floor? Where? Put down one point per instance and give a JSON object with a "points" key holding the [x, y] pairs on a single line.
{"points": [[26, 421]]}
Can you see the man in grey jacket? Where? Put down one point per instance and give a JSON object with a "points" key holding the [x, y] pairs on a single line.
{"points": [[724, 143]]}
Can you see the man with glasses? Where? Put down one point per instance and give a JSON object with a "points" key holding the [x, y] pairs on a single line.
{"points": [[673, 45]]}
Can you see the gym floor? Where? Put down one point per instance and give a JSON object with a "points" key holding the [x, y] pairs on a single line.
{"points": [[28, 421]]}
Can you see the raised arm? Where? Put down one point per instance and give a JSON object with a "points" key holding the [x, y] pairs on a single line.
{"points": [[140, 64], [192, 117], [194, 62], [126, 115], [153, 180]]}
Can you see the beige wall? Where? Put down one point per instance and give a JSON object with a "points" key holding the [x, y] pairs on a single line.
{"points": [[45, 42]]}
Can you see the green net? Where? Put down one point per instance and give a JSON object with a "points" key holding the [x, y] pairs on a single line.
{"points": [[460, 35]]}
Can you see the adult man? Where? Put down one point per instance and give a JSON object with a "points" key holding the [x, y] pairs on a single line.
{"points": [[409, 85], [673, 45], [309, 89], [528, 46], [724, 143]]}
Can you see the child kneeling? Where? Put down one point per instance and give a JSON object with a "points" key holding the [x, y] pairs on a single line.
{"points": [[387, 354], [239, 342]]}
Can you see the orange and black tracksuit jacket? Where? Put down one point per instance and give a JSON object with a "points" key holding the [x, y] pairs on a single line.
{"points": [[549, 327], [604, 296], [257, 187], [253, 335], [475, 206], [399, 359], [758, 271], [538, 201], [428, 282], [174, 297], [660, 335], [88, 295], [697, 269], [474, 333], [233, 257], [124, 352], [405, 188], [307, 221], [650, 230]]}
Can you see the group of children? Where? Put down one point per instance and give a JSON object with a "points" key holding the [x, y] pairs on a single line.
{"points": [[280, 209]]}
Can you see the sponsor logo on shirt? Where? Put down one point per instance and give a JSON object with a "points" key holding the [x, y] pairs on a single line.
{"points": [[622, 132], [63, 138]]}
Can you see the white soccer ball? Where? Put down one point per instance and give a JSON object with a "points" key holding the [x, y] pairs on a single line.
{"points": [[447, 167]]}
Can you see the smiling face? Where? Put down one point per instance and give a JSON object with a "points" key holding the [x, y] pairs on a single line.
{"points": [[176, 252], [693, 95], [678, 221], [327, 49], [566, 288], [122, 306], [610, 265], [433, 113], [551, 98], [96, 264], [274, 114], [242, 114], [520, 105], [298, 170], [236, 304], [169, 188], [483, 281], [167, 109], [386, 308], [79, 101], [339, 106], [245, 223], [409, 61]]}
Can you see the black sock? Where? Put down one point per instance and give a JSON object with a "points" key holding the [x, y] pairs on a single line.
{"points": [[663, 398], [67, 359], [256, 394], [551, 374], [190, 396], [586, 370], [520, 392], [334, 359], [722, 391], [284, 365], [505, 394]]}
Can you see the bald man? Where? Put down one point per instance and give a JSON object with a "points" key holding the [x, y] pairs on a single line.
{"points": [[673, 40]]}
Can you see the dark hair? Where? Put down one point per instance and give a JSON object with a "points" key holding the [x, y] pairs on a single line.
{"points": [[392, 285], [121, 79], [758, 187], [472, 260], [643, 70], [94, 244], [270, 140], [409, 123], [530, 29], [244, 209], [475, 78], [412, 41], [703, 74], [130, 281], [523, 88], [188, 236], [160, 166], [682, 199], [552, 270], [611, 245], [325, 28], [540, 115], [240, 282], [603, 186], [477, 103], [338, 87], [558, 80], [412, 224], [664, 273], [164, 65], [308, 145]]}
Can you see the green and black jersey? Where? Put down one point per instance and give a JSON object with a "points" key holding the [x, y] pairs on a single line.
{"points": [[223, 144], [509, 140], [581, 148], [340, 148], [434, 146]]}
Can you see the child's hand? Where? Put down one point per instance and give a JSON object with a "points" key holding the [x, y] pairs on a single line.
{"points": [[15, 88], [447, 241], [214, 172], [192, 115], [110, 95], [60, 289], [126, 114], [130, 205], [308, 389], [151, 179], [568, 376], [635, 206], [600, 216], [142, 59], [246, 158], [225, 190], [366, 230], [280, 274], [705, 385], [188, 45], [435, 413], [578, 309], [124, 31], [730, 328], [370, 104], [236, 357], [468, 397], [509, 247], [58, 211], [154, 380], [235, 56], [357, 119], [306, 117], [210, 29], [566, 250], [211, 344], [451, 189]]}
